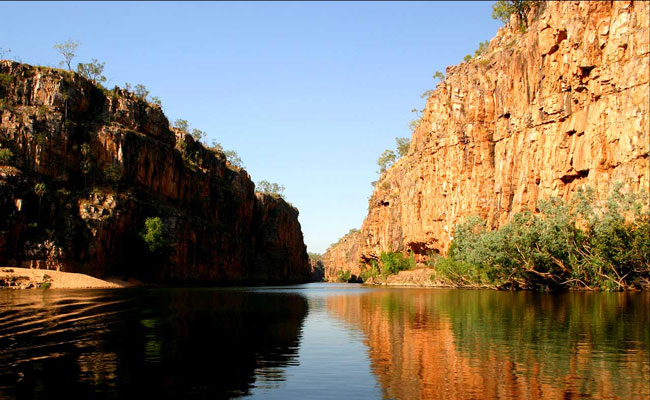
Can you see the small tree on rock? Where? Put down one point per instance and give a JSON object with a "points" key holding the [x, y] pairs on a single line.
{"points": [[386, 160], [67, 50], [92, 70]]}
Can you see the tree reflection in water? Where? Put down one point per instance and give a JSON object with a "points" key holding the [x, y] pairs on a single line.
{"points": [[460, 344], [174, 343]]}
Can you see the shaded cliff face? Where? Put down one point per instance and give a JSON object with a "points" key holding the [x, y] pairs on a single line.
{"points": [[539, 114], [109, 161], [343, 256]]}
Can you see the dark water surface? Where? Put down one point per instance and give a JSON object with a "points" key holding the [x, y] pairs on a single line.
{"points": [[323, 341]]}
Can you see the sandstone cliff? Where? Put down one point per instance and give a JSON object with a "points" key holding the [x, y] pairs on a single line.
{"points": [[541, 113], [108, 161]]}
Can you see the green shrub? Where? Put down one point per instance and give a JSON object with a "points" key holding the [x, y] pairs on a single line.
{"points": [[392, 262], [6, 156], [371, 272], [343, 276], [583, 244], [154, 235], [272, 188]]}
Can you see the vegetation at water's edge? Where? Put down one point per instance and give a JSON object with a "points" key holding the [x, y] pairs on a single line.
{"points": [[390, 263], [586, 244]]}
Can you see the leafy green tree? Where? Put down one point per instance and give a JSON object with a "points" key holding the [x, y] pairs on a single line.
{"points": [[426, 94], [413, 125], [503, 9], [92, 70], [141, 91], [40, 189], [156, 100], [467, 57], [154, 235], [67, 50], [127, 86], [386, 160], [233, 158], [439, 75], [392, 262], [197, 134], [271, 188], [403, 145], [182, 125]]}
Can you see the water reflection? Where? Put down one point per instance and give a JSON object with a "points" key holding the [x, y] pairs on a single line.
{"points": [[177, 343], [457, 344]]}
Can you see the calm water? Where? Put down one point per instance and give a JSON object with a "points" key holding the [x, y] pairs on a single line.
{"points": [[323, 341]]}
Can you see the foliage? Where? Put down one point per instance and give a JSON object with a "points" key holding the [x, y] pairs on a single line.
{"points": [[426, 94], [233, 158], [386, 160], [4, 52], [40, 189], [392, 262], [141, 91], [67, 50], [371, 272], [413, 125], [6, 80], [439, 75], [156, 100], [112, 174], [92, 70], [503, 9], [403, 145], [343, 276], [154, 235], [6, 156], [584, 244], [482, 48], [467, 57], [197, 134], [182, 125], [271, 188]]}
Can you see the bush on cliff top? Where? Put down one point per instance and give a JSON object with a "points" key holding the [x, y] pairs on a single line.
{"points": [[585, 244]]}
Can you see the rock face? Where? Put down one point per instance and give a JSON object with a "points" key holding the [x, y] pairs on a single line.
{"points": [[109, 161], [343, 256], [541, 113]]}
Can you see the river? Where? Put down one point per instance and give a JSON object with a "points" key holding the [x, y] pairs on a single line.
{"points": [[329, 341]]}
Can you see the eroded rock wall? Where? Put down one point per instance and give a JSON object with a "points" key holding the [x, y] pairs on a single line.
{"points": [[109, 161], [541, 113]]}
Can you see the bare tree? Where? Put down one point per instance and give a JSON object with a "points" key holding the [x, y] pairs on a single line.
{"points": [[4, 52], [67, 50]]}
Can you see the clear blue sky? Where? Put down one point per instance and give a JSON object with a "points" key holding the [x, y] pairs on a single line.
{"points": [[308, 94]]}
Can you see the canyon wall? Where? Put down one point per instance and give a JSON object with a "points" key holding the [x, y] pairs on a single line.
{"points": [[540, 113], [108, 161]]}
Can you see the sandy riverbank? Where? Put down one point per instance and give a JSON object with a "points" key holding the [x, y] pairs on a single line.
{"points": [[26, 278]]}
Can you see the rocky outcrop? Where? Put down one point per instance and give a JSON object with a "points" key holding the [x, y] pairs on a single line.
{"points": [[541, 113], [343, 255], [108, 161]]}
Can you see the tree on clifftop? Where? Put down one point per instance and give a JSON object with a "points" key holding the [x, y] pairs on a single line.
{"points": [[67, 50], [271, 188], [503, 9], [92, 70]]}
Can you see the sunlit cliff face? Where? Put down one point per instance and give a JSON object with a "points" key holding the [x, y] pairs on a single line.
{"points": [[464, 345], [541, 113]]}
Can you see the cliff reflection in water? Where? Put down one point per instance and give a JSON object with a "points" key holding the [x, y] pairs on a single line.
{"points": [[185, 343], [459, 344]]}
